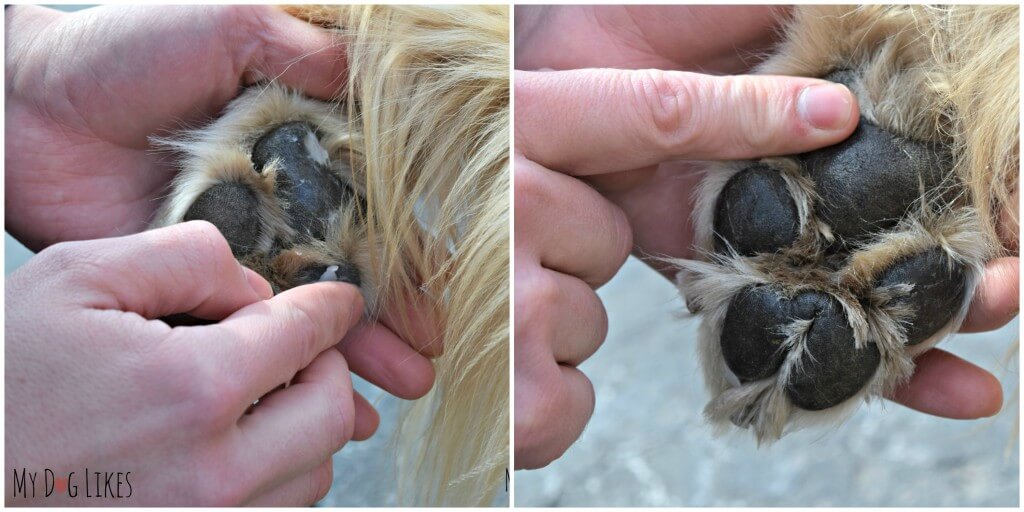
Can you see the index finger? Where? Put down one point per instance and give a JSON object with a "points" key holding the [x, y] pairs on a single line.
{"points": [[269, 342], [605, 120]]}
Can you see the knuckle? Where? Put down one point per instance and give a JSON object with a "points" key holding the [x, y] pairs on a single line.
{"points": [[531, 427], [337, 429], [205, 242], [622, 238], [538, 439], [320, 483], [64, 254], [212, 406], [537, 303], [536, 416], [545, 290], [336, 407], [665, 107], [600, 321], [216, 491], [527, 89], [588, 392], [74, 262], [340, 422], [530, 186]]}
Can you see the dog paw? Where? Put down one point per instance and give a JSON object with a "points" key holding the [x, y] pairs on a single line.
{"points": [[273, 175], [825, 274]]}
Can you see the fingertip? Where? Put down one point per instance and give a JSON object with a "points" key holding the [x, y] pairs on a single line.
{"points": [[258, 284], [367, 419], [378, 355], [352, 293], [994, 392], [414, 322], [419, 378], [947, 386], [334, 293], [357, 306], [996, 300], [983, 397], [828, 107]]}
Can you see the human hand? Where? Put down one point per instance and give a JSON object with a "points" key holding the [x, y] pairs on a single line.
{"points": [[656, 197], [611, 126], [85, 91], [95, 381], [569, 241]]}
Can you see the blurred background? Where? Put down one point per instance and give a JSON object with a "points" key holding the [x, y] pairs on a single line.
{"points": [[647, 444]]}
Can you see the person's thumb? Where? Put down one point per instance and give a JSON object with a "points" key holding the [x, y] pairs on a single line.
{"points": [[605, 120], [184, 268], [295, 53]]}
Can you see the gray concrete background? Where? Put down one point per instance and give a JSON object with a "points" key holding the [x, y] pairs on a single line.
{"points": [[646, 444], [364, 472]]}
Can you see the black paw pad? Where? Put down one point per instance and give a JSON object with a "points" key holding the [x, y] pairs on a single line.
{"points": [[304, 182], [343, 272], [832, 369], [868, 181], [939, 285], [755, 213], [232, 207], [751, 340]]}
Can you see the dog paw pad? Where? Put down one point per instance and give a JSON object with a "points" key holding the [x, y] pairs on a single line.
{"points": [[755, 213], [938, 288], [231, 206], [869, 181], [308, 188]]}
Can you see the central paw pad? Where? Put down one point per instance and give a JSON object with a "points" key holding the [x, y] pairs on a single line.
{"points": [[310, 192]]}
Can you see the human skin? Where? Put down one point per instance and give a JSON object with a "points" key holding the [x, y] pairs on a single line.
{"points": [[84, 93], [627, 134]]}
